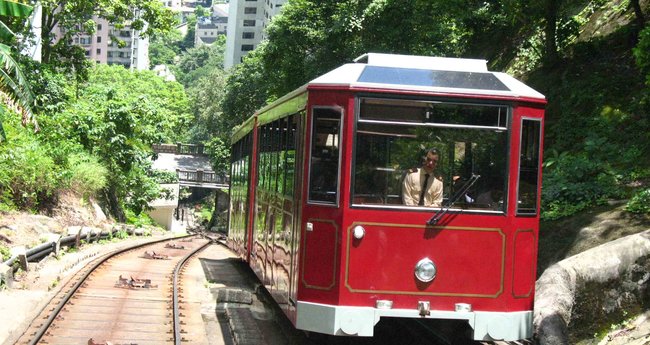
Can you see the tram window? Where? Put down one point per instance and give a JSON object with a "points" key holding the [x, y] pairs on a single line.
{"points": [[386, 151], [529, 167], [324, 162]]}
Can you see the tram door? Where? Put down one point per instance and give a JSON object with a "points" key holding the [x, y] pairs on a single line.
{"points": [[320, 215], [298, 133]]}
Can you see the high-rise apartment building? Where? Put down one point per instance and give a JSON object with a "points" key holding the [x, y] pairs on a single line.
{"points": [[247, 20], [208, 29], [100, 47]]}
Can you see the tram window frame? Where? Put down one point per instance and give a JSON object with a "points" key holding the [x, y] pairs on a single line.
{"points": [[337, 139], [498, 181], [530, 143]]}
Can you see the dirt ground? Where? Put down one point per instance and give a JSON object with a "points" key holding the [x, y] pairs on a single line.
{"points": [[20, 228]]}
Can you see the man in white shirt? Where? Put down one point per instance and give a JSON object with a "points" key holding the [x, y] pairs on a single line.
{"points": [[421, 187]]}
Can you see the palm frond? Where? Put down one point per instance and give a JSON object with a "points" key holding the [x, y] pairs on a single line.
{"points": [[13, 8], [5, 32], [14, 84]]}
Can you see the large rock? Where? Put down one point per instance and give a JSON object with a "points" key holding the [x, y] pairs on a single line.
{"points": [[596, 287]]}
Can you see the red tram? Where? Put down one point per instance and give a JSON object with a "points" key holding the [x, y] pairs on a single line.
{"points": [[317, 206]]}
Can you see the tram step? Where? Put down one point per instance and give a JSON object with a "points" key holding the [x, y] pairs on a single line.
{"points": [[234, 296], [244, 327]]}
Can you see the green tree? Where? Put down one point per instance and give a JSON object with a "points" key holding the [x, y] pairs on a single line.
{"points": [[13, 84], [246, 90], [201, 11], [117, 118], [208, 116], [165, 48], [219, 151], [188, 40], [198, 62]]}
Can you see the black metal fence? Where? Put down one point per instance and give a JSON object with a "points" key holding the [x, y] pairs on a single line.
{"points": [[180, 149]]}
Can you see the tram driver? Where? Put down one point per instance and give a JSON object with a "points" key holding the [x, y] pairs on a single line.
{"points": [[421, 187]]}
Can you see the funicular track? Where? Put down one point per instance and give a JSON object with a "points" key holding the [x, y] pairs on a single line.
{"points": [[131, 296]]}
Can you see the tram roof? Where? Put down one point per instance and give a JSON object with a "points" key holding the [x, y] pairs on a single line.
{"points": [[403, 72], [424, 73]]}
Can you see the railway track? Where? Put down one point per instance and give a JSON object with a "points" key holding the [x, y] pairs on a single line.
{"points": [[133, 296], [141, 295]]}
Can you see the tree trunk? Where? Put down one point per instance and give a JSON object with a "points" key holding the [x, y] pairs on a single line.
{"points": [[114, 204], [550, 51], [215, 211], [640, 18], [47, 26]]}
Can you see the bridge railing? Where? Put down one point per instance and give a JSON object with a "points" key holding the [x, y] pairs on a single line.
{"points": [[201, 176], [180, 149]]}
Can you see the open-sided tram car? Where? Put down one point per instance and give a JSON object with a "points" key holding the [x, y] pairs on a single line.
{"points": [[316, 205]]}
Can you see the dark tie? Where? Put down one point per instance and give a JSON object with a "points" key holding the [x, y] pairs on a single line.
{"points": [[424, 190]]}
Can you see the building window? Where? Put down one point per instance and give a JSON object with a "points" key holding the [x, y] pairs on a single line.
{"points": [[109, 54], [250, 10], [99, 27], [247, 47], [87, 52], [99, 51], [248, 35], [99, 39], [249, 22]]}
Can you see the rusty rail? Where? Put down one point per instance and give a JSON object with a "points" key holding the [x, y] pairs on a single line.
{"points": [[66, 298], [177, 319]]}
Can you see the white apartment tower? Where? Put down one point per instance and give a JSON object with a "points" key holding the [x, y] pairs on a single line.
{"points": [[247, 20], [134, 54]]}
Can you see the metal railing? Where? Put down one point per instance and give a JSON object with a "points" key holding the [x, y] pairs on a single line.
{"points": [[202, 176], [37, 253], [180, 149]]}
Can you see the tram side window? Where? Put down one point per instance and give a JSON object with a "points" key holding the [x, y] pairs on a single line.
{"points": [[529, 167], [324, 161]]}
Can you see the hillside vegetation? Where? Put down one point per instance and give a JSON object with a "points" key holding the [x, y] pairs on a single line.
{"points": [[590, 58]]}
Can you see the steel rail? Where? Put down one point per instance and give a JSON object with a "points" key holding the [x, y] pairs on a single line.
{"points": [[179, 265], [46, 325]]}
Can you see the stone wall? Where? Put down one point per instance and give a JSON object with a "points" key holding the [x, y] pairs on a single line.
{"points": [[585, 293]]}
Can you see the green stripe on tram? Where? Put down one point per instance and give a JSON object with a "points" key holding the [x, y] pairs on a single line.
{"points": [[285, 108], [243, 129]]}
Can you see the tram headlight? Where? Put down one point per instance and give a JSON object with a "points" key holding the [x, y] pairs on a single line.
{"points": [[425, 270], [358, 232]]}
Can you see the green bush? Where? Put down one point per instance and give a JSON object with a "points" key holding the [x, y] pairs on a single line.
{"points": [[164, 176], [121, 234], [640, 203], [139, 220], [87, 175], [5, 254], [28, 175], [574, 182]]}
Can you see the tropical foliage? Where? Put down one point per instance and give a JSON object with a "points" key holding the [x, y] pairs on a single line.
{"points": [[575, 52], [589, 57], [13, 84]]}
